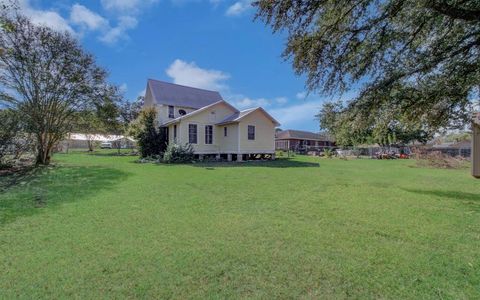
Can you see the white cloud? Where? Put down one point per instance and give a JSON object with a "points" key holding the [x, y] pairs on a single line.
{"points": [[85, 18], [239, 7], [47, 18], [190, 74], [80, 15]]}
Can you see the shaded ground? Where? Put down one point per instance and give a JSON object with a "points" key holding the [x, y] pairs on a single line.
{"points": [[101, 226]]}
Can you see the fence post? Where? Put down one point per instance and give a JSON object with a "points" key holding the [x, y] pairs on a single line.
{"points": [[476, 146]]}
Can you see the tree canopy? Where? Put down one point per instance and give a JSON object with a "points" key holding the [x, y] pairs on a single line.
{"points": [[416, 63], [47, 77]]}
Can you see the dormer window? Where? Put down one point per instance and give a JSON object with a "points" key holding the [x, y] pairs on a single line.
{"points": [[171, 114], [182, 112]]}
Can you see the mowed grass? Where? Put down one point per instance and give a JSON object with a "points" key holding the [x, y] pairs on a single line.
{"points": [[100, 226]]}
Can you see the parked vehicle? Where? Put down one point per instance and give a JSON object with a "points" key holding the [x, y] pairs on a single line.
{"points": [[106, 145]]}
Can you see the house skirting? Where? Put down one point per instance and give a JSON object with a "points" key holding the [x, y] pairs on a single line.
{"points": [[236, 156]]}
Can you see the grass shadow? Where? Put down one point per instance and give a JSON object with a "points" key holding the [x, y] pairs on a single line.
{"points": [[112, 154], [31, 191], [278, 163], [470, 199]]}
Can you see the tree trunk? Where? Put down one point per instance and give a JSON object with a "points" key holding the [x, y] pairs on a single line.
{"points": [[90, 145], [43, 155], [44, 150]]}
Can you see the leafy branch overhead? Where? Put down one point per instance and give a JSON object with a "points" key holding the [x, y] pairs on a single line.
{"points": [[416, 61]]}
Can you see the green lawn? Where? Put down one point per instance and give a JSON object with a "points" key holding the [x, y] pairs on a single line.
{"points": [[100, 226]]}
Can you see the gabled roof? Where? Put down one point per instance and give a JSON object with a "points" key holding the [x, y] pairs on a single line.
{"points": [[301, 135], [176, 120], [237, 117], [179, 95]]}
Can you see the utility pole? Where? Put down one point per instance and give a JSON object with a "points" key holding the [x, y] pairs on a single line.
{"points": [[476, 145]]}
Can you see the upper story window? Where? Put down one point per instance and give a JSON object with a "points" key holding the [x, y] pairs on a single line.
{"points": [[182, 112], [251, 132], [208, 134], [171, 112], [225, 131], [192, 133]]}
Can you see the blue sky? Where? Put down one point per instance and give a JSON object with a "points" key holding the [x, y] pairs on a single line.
{"points": [[212, 44]]}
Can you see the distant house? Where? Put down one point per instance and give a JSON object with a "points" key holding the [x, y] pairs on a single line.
{"points": [[461, 148], [298, 140], [210, 124]]}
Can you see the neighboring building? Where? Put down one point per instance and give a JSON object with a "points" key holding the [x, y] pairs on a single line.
{"points": [[213, 126], [85, 141], [461, 148], [298, 140]]}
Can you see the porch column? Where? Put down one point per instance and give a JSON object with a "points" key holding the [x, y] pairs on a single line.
{"points": [[217, 157], [273, 156], [229, 157], [200, 157], [239, 157]]}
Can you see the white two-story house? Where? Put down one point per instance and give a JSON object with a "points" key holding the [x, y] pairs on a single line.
{"points": [[213, 126]]}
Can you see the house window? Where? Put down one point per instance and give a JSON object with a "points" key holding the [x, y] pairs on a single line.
{"points": [[192, 133], [251, 132], [171, 113], [208, 134], [174, 133], [225, 131]]}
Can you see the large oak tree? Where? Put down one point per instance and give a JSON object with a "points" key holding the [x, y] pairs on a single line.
{"points": [[417, 62]]}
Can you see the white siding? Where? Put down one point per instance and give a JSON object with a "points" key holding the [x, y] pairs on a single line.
{"points": [[209, 116], [264, 134]]}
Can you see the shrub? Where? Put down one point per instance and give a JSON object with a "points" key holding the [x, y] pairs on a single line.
{"points": [[328, 153], [176, 153], [151, 140]]}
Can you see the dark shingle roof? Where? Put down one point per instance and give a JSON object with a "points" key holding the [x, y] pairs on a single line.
{"points": [[179, 95], [301, 135], [236, 116]]}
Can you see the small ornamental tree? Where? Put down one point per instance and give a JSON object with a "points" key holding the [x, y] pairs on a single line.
{"points": [[150, 139], [47, 77]]}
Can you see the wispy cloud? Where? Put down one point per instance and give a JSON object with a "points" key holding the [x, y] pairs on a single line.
{"points": [[124, 17], [128, 7], [114, 34], [89, 20], [298, 115], [239, 8], [301, 95], [243, 102], [83, 17], [190, 74]]}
